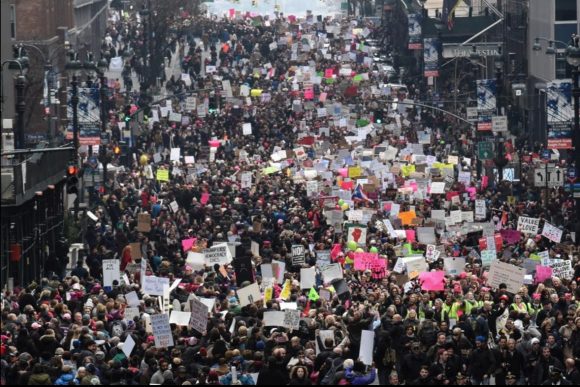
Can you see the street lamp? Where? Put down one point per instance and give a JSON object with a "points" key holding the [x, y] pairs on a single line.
{"points": [[102, 66], [48, 80], [20, 104]]}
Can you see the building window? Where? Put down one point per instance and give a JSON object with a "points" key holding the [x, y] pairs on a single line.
{"points": [[566, 10], [562, 68], [12, 21]]}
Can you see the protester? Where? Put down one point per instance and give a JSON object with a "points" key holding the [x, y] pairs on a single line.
{"points": [[273, 231]]}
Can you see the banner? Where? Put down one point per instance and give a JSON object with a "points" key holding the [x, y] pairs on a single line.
{"points": [[89, 116], [431, 48], [560, 112], [486, 103], [415, 31]]}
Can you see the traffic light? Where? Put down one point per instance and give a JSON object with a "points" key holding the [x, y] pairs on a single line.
{"points": [[379, 116], [72, 180], [127, 112], [117, 150]]}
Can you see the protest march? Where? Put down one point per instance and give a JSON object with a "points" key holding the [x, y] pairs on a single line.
{"points": [[288, 215]]}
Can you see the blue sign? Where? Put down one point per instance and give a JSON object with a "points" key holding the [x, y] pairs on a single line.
{"points": [[546, 154]]}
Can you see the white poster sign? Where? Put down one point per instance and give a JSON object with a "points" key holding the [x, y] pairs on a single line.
{"points": [[162, 331], [504, 273], [528, 225], [367, 344], [553, 233], [480, 209], [111, 272], [153, 286], [199, 311], [217, 254], [249, 294]]}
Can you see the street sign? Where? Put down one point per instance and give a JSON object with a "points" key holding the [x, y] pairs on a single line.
{"points": [[485, 150], [472, 114], [553, 176], [546, 154], [499, 123]]}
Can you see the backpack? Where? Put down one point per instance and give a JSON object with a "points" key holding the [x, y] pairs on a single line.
{"points": [[335, 365], [428, 333]]}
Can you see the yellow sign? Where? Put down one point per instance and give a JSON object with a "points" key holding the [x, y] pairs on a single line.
{"points": [[256, 92], [162, 175], [407, 170], [354, 172]]}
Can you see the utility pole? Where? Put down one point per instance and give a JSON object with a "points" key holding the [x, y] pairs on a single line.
{"points": [[104, 119]]}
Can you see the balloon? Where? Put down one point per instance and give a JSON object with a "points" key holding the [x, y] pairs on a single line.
{"points": [[345, 206], [340, 202], [143, 160], [351, 245], [359, 250], [337, 207], [374, 250]]}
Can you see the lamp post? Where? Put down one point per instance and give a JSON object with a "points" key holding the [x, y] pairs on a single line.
{"points": [[20, 104], [500, 160], [48, 81], [101, 68]]}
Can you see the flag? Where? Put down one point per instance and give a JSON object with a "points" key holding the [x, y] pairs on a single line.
{"points": [[448, 12], [360, 194]]}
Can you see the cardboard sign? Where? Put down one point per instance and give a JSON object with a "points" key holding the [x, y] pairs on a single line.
{"points": [[563, 269], [111, 272], [180, 318], [128, 346], [528, 225], [308, 278], [135, 250], [480, 209], [454, 266], [162, 331], [162, 175], [367, 343], [291, 319], [357, 233], [503, 273], [553, 233], [274, 319], [249, 294], [487, 257], [154, 285], [298, 255], [217, 254], [198, 315], [144, 222], [331, 272]]}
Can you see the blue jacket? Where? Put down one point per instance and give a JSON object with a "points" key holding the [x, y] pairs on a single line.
{"points": [[65, 379], [244, 379], [358, 379]]}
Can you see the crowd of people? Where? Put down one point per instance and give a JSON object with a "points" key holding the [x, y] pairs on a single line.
{"points": [[309, 230]]}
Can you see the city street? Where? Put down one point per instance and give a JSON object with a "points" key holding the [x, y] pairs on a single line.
{"points": [[307, 193]]}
